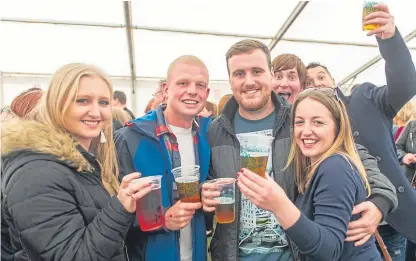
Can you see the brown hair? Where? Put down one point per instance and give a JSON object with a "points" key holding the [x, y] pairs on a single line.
{"points": [[26, 102], [343, 143], [224, 99], [212, 108], [289, 61], [120, 96], [248, 46], [316, 64]]}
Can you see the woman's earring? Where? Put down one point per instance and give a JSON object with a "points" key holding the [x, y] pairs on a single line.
{"points": [[102, 137]]}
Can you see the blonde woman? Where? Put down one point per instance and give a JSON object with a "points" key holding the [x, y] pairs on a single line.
{"points": [[120, 117], [62, 199], [406, 113], [330, 179]]}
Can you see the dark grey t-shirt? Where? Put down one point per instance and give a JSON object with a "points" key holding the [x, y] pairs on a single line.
{"points": [[260, 237]]}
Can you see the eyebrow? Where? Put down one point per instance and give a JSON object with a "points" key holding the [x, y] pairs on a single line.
{"points": [[79, 96]]}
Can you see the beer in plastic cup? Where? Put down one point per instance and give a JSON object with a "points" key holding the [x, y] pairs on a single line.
{"points": [[225, 211], [149, 209], [187, 182], [254, 152], [256, 162], [368, 8]]}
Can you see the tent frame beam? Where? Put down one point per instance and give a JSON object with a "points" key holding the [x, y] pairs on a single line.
{"points": [[373, 61], [186, 31], [130, 41], [286, 25]]}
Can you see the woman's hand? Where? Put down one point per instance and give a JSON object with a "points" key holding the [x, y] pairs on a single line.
{"points": [[132, 189]]}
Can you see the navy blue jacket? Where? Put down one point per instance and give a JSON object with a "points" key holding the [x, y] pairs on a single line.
{"points": [[371, 110], [335, 188], [139, 149]]}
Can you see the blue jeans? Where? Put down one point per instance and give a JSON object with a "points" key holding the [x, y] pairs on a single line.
{"points": [[394, 241]]}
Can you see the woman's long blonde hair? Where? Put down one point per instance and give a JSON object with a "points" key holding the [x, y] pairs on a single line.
{"points": [[343, 143], [120, 115], [406, 113], [62, 92]]}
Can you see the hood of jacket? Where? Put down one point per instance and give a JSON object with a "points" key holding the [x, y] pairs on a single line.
{"points": [[23, 141]]}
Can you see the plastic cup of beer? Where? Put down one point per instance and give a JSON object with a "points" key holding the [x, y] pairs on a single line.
{"points": [[187, 182], [225, 211], [149, 209], [254, 152], [256, 162], [368, 8]]}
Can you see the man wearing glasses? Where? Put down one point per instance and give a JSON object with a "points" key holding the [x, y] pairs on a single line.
{"points": [[159, 96]]}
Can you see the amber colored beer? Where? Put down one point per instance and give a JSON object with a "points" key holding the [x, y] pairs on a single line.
{"points": [[225, 212], [368, 8], [188, 188], [257, 165]]}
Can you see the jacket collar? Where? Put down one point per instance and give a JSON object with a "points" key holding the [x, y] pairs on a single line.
{"points": [[29, 135]]}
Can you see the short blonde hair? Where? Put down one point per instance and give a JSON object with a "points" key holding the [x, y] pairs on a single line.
{"points": [[186, 59]]}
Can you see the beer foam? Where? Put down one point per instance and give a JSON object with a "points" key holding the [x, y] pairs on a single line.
{"points": [[188, 179], [225, 200]]}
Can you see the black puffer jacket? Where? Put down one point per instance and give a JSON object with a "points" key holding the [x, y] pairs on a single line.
{"points": [[54, 202]]}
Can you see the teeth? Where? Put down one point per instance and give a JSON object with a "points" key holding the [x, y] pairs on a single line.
{"points": [[251, 91], [190, 102], [309, 141], [90, 122]]}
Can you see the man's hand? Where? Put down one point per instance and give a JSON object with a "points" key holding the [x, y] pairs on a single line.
{"points": [[382, 17], [362, 229], [180, 214], [409, 158], [209, 192]]}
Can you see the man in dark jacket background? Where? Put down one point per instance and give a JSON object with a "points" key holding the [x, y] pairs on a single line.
{"points": [[371, 112]]}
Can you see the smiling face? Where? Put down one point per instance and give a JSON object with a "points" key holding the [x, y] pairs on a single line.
{"points": [[90, 112], [187, 89], [319, 77], [286, 83], [250, 79], [314, 128]]}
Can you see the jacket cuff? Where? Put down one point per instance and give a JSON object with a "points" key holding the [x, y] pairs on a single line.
{"points": [[382, 204], [120, 210]]}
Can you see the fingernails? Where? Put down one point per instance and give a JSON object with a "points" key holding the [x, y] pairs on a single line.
{"points": [[242, 170]]}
